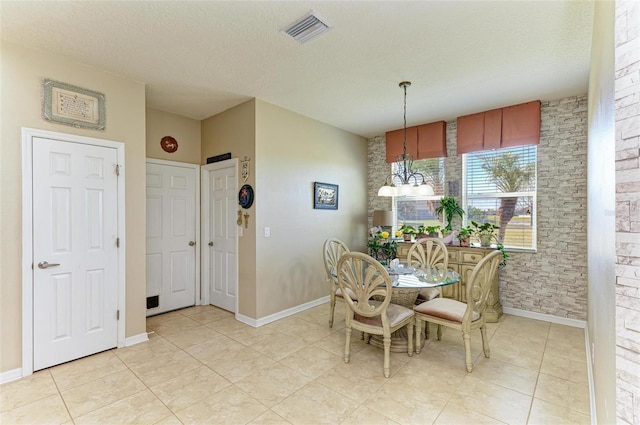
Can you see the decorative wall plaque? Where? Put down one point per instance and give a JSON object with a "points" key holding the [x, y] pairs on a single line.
{"points": [[244, 172], [245, 196], [70, 105], [169, 144]]}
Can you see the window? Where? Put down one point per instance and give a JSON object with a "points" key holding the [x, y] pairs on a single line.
{"points": [[500, 187], [417, 211]]}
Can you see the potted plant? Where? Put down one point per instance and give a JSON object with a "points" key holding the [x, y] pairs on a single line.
{"points": [[407, 232], [432, 231], [448, 208], [485, 232], [464, 236]]}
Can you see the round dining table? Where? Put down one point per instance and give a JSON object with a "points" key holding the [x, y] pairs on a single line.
{"points": [[407, 282]]}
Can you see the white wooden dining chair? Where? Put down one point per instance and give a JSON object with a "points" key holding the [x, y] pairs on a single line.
{"points": [[372, 311], [464, 317], [428, 252], [332, 250]]}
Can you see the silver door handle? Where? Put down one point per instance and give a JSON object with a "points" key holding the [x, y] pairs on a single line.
{"points": [[191, 243], [210, 243], [44, 265]]}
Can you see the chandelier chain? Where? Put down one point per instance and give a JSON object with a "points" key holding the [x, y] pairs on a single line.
{"points": [[412, 182]]}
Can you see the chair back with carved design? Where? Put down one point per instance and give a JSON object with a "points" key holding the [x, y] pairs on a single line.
{"points": [[370, 309], [479, 285], [366, 278], [332, 250], [428, 252]]}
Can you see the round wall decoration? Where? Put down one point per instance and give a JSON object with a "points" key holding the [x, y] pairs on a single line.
{"points": [[169, 144], [245, 196]]}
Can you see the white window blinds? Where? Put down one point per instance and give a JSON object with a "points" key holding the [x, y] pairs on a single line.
{"points": [[500, 188]]}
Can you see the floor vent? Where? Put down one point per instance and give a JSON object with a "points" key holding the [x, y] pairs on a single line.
{"points": [[153, 302], [306, 29]]}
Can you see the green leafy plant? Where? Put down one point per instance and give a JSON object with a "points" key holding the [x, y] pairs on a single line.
{"points": [[485, 232], [503, 263], [448, 208], [407, 229], [489, 232], [430, 230], [464, 234]]}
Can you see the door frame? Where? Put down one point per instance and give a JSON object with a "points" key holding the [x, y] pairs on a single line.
{"points": [[204, 173], [196, 168], [28, 134]]}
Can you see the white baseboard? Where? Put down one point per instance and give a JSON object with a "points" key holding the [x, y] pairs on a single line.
{"points": [[545, 317], [14, 374], [136, 339], [282, 314], [10, 375]]}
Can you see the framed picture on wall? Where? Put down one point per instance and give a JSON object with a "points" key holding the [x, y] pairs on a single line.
{"points": [[325, 196], [70, 105]]}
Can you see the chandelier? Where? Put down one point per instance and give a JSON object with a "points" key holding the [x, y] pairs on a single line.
{"points": [[410, 182]]}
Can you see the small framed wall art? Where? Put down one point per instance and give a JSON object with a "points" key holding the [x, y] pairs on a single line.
{"points": [[70, 105], [325, 196]]}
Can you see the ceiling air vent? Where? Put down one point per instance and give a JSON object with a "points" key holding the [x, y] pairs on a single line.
{"points": [[306, 29]]}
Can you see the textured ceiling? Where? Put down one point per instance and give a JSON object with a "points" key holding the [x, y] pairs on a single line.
{"points": [[199, 58]]}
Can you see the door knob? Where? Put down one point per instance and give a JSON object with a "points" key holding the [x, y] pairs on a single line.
{"points": [[191, 243], [210, 243], [44, 265]]}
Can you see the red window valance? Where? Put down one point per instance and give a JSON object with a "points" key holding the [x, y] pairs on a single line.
{"points": [[423, 141], [516, 125]]}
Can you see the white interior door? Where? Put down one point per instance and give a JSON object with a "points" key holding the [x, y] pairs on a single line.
{"points": [[220, 259], [171, 236], [75, 270]]}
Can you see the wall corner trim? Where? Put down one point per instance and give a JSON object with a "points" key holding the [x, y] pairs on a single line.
{"points": [[136, 339], [282, 314], [545, 317], [592, 389]]}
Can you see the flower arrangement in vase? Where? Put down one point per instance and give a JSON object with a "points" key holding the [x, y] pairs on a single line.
{"points": [[381, 246]]}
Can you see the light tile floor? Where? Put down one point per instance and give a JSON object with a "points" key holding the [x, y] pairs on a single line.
{"points": [[201, 366]]}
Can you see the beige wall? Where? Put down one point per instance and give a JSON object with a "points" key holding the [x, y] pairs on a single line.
{"points": [[288, 153], [234, 131], [20, 82], [292, 152], [186, 131]]}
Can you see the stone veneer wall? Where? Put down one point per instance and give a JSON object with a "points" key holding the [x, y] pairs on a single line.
{"points": [[377, 172], [627, 89], [553, 280]]}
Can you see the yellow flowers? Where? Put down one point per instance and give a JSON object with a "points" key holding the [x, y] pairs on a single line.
{"points": [[398, 233], [381, 247]]}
